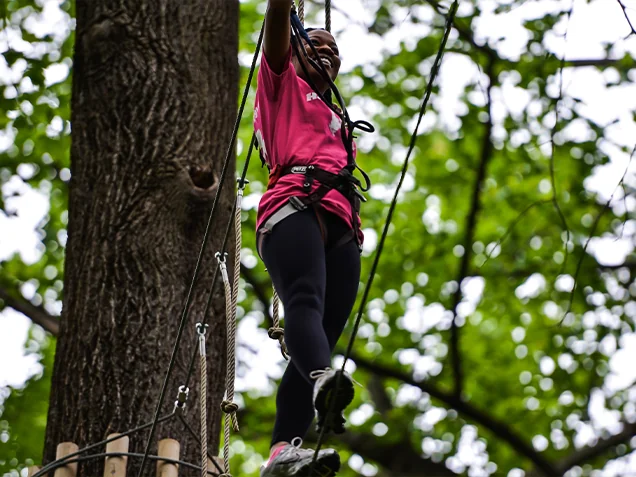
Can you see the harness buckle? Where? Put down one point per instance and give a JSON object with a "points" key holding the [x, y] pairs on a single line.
{"points": [[309, 177], [297, 203]]}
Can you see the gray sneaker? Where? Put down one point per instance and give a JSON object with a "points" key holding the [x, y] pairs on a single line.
{"points": [[324, 392], [294, 461]]}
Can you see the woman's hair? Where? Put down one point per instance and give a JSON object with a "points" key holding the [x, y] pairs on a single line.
{"points": [[296, 45]]}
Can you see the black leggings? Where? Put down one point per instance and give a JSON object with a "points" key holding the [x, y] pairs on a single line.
{"points": [[317, 281]]}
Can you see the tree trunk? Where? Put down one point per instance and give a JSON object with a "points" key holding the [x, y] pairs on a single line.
{"points": [[154, 97]]}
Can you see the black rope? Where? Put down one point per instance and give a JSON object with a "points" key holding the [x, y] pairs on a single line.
{"points": [[348, 126], [372, 273], [48, 467], [61, 463], [186, 308]]}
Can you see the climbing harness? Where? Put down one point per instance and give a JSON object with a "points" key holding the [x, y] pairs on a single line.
{"points": [[344, 181]]}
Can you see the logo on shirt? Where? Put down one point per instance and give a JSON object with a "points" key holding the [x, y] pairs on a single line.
{"points": [[335, 124], [312, 96], [261, 145]]}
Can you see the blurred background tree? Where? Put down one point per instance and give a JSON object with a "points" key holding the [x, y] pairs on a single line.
{"points": [[504, 308]]}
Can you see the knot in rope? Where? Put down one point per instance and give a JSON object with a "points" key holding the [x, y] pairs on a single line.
{"points": [[276, 333], [229, 407]]}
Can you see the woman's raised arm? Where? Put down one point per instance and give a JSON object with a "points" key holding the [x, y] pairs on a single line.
{"points": [[277, 33]]}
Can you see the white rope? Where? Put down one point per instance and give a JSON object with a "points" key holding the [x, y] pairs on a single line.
{"points": [[301, 11], [276, 332], [237, 250], [204, 395], [228, 406], [231, 299]]}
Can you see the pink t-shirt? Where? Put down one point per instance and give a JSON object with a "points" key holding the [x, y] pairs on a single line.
{"points": [[294, 127]]}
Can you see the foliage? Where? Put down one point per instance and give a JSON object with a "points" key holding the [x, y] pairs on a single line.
{"points": [[24, 411], [498, 253]]}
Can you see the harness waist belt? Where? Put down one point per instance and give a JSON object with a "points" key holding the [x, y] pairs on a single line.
{"points": [[344, 182], [281, 214]]}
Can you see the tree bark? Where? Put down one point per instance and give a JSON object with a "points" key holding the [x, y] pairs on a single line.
{"points": [[154, 88]]}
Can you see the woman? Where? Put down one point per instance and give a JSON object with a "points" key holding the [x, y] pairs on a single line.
{"points": [[307, 233]]}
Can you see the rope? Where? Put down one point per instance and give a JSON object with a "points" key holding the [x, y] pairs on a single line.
{"points": [[204, 395], [328, 15], [301, 11], [237, 248], [231, 300], [276, 332], [228, 406], [188, 302], [372, 273], [242, 181]]}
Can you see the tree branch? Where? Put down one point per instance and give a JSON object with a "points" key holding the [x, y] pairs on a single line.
{"points": [[606, 62], [379, 396], [499, 428], [631, 25], [603, 445], [466, 34], [36, 314]]}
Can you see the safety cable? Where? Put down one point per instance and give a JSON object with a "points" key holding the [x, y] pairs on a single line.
{"points": [[188, 302], [230, 223], [231, 295], [372, 273]]}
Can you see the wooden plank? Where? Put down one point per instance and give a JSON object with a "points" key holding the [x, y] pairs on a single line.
{"points": [[116, 466], [64, 449], [168, 448], [31, 471]]}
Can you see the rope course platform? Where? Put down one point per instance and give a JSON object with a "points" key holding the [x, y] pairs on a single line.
{"points": [[116, 453]]}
